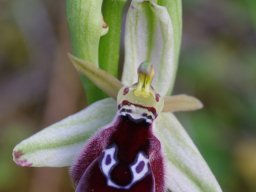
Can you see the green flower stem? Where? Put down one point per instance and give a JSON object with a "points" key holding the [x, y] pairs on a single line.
{"points": [[110, 43], [86, 27]]}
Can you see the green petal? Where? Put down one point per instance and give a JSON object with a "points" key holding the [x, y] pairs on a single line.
{"points": [[149, 37], [58, 144], [103, 80], [186, 168], [182, 102]]}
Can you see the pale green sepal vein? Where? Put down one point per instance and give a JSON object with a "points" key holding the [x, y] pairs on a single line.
{"points": [[149, 37], [58, 144], [186, 169]]}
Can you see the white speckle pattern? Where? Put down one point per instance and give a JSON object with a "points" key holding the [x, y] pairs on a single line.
{"points": [[138, 175], [139, 169], [105, 167]]}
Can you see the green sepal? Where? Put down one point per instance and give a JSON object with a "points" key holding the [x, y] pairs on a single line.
{"points": [[186, 170], [150, 37], [59, 144]]}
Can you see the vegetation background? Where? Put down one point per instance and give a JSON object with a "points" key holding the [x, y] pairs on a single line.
{"points": [[38, 86]]}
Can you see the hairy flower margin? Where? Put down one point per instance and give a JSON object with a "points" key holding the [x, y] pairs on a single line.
{"points": [[153, 31]]}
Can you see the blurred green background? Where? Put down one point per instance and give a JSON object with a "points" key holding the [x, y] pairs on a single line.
{"points": [[38, 86]]}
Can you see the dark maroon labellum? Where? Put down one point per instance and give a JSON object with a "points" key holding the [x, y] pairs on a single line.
{"points": [[125, 157]]}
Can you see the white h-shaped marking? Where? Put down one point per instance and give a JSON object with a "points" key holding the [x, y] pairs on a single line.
{"points": [[139, 169]]}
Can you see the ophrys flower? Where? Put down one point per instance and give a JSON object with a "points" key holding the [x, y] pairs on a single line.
{"points": [[151, 35]]}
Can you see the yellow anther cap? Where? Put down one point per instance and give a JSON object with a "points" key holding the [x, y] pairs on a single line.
{"points": [[145, 77]]}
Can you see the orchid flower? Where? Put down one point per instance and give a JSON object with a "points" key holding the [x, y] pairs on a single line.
{"points": [[131, 141]]}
